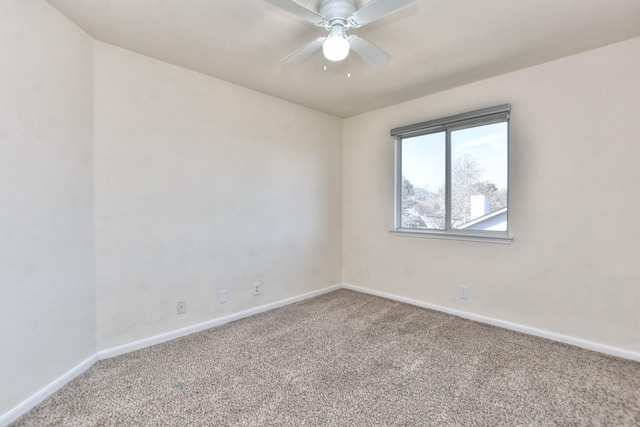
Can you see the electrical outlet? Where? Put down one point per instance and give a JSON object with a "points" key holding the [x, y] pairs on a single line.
{"points": [[463, 292], [257, 288], [222, 297], [182, 307]]}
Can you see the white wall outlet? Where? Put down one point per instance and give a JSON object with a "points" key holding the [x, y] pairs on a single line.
{"points": [[222, 297], [182, 307], [463, 292], [257, 288]]}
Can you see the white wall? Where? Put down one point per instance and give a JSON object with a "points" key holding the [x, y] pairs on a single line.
{"points": [[47, 285], [202, 185], [574, 208]]}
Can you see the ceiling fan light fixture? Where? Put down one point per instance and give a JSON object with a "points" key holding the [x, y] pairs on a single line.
{"points": [[336, 46], [337, 16]]}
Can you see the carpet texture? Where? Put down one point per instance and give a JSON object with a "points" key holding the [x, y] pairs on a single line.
{"points": [[346, 358]]}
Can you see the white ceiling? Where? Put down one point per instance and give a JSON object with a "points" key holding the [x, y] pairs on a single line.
{"points": [[434, 44]]}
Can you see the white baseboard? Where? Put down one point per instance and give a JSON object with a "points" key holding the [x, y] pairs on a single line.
{"points": [[27, 405], [168, 336], [589, 345]]}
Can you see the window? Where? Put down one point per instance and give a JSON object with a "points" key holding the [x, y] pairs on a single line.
{"points": [[452, 176]]}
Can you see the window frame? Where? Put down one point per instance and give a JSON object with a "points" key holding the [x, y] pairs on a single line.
{"points": [[485, 116]]}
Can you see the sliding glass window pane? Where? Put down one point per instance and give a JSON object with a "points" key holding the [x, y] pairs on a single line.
{"points": [[479, 174], [423, 181]]}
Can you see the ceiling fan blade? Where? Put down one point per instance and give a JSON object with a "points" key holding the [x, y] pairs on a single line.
{"points": [[303, 52], [376, 10], [368, 51], [297, 9]]}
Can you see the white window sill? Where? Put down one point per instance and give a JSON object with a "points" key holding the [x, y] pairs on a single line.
{"points": [[469, 237]]}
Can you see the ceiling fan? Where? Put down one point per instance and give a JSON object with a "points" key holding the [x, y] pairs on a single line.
{"points": [[337, 16]]}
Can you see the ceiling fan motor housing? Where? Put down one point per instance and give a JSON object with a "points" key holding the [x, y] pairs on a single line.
{"points": [[337, 12]]}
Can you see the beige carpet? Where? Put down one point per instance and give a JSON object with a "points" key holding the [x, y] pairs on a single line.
{"points": [[346, 358]]}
